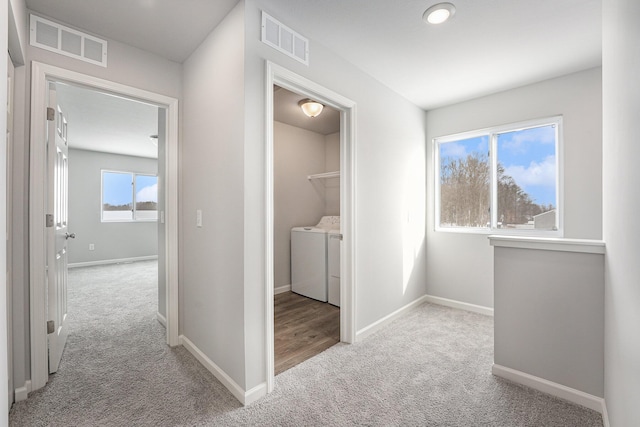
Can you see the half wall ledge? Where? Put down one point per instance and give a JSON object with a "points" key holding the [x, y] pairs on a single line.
{"points": [[548, 244]]}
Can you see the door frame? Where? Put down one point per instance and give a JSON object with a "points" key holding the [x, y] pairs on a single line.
{"points": [[41, 75], [287, 79], [9, 220]]}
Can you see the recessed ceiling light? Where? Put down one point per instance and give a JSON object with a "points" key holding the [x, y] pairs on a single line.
{"points": [[439, 13]]}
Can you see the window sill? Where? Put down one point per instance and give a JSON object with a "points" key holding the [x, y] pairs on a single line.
{"points": [[120, 221], [508, 232], [548, 244]]}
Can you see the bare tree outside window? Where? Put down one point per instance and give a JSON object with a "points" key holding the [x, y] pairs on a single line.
{"points": [[522, 190]]}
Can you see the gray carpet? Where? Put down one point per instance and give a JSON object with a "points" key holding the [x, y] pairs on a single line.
{"points": [[428, 368]]}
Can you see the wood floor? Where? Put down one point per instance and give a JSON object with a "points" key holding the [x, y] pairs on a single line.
{"points": [[303, 327]]}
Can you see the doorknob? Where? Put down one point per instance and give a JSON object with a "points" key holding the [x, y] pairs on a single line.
{"points": [[69, 236]]}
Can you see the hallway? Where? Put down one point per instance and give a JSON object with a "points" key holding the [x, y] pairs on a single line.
{"points": [[429, 367], [117, 368]]}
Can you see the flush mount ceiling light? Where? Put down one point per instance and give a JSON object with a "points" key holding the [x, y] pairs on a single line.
{"points": [[439, 13], [311, 108]]}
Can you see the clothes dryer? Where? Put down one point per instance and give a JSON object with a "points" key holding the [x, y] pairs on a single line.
{"points": [[309, 272]]}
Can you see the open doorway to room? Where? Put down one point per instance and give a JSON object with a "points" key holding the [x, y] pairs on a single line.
{"points": [[306, 158], [60, 161], [341, 224], [111, 144]]}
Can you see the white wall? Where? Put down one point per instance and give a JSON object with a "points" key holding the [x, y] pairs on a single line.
{"points": [[223, 158], [298, 201], [112, 240], [126, 65], [20, 179], [578, 98], [17, 32], [332, 164], [621, 176], [4, 374], [549, 315], [390, 186], [211, 267]]}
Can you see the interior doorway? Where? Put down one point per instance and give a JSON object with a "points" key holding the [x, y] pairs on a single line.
{"points": [[111, 208], [306, 157], [292, 82], [43, 76]]}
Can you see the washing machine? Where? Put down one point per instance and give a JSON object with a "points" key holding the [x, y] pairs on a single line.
{"points": [[309, 274]]}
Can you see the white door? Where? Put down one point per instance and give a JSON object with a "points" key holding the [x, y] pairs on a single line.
{"points": [[57, 232]]}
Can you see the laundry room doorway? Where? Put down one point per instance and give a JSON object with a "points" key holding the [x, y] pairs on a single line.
{"points": [[306, 158], [310, 229]]}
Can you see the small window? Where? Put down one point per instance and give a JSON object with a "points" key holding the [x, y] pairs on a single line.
{"points": [[505, 179], [129, 196]]}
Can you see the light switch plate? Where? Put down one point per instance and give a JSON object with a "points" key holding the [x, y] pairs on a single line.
{"points": [[198, 217]]}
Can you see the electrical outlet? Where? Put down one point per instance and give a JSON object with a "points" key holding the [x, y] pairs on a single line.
{"points": [[91, 246]]}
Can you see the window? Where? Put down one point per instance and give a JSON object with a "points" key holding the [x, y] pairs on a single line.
{"points": [[128, 196], [503, 179]]}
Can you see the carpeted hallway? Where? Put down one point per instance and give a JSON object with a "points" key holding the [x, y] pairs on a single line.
{"points": [[428, 368]]}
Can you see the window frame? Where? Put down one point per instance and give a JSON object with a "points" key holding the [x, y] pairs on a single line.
{"points": [[492, 133], [133, 176]]}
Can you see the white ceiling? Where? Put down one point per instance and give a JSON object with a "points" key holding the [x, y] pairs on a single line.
{"points": [[103, 122], [488, 46]]}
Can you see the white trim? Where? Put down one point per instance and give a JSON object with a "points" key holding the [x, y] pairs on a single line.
{"points": [[281, 289], [161, 319], [276, 74], [605, 414], [112, 261], [22, 393], [549, 244], [379, 324], [41, 74], [238, 392], [487, 311], [255, 393], [554, 389]]}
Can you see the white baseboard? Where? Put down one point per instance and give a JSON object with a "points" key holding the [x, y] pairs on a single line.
{"points": [[245, 398], [112, 261], [376, 326], [460, 305], [161, 319], [21, 393], [255, 393], [281, 289], [605, 415], [554, 389]]}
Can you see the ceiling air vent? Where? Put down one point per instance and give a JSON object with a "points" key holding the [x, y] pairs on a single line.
{"points": [[284, 39], [66, 41]]}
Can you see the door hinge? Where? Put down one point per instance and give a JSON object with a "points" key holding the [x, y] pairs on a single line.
{"points": [[51, 114], [51, 326], [49, 220]]}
